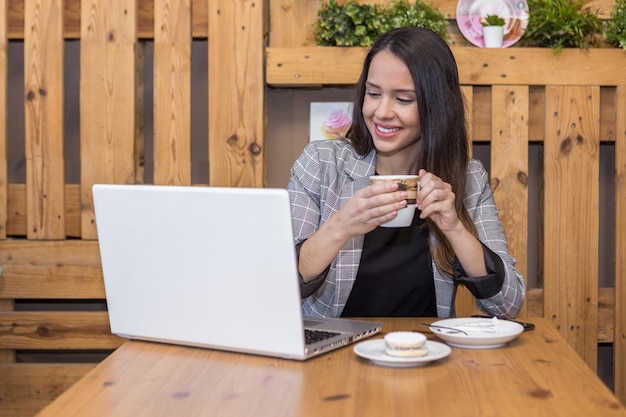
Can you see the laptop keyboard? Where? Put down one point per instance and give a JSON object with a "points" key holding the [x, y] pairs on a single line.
{"points": [[314, 336]]}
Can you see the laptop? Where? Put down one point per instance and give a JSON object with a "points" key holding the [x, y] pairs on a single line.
{"points": [[211, 267]]}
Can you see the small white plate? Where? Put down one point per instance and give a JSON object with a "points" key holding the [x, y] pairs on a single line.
{"points": [[374, 350], [505, 332]]}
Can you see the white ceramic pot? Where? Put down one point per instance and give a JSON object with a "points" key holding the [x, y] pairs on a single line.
{"points": [[493, 36]]}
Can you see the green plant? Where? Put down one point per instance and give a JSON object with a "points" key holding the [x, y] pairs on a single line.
{"points": [[360, 25], [349, 25], [401, 13], [492, 20], [561, 24], [615, 29]]}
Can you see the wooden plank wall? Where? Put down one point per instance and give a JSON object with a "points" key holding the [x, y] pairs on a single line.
{"points": [[568, 104], [48, 246], [53, 321], [43, 85]]}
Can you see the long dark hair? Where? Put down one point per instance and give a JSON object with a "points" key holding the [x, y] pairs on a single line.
{"points": [[444, 146]]}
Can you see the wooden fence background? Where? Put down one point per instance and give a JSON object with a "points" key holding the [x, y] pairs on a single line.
{"points": [[53, 322], [48, 246]]}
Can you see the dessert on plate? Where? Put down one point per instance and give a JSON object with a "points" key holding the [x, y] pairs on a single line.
{"points": [[405, 344]]}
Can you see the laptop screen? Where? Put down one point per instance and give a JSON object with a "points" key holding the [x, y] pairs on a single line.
{"points": [[203, 266]]}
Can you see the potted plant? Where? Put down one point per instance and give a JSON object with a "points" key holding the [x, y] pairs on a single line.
{"points": [[347, 25], [493, 30], [402, 13], [354, 24], [615, 29], [561, 24]]}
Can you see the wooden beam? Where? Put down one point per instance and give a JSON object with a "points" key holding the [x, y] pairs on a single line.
{"points": [[43, 114], [66, 269], [314, 66], [571, 173], [619, 348], [4, 173], [71, 17], [172, 92], [25, 389], [236, 94], [509, 167], [606, 310], [57, 330], [107, 100]]}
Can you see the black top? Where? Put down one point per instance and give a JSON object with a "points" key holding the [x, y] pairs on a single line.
{"points": [[395, 276]]}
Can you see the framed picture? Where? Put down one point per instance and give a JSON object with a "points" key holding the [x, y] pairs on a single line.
{"points": [[330, 120]]}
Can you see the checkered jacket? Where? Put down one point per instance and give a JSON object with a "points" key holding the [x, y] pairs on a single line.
{"points": [[326, 176]]}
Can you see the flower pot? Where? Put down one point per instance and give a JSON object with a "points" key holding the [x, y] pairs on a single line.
{"points": [[493, 36]]}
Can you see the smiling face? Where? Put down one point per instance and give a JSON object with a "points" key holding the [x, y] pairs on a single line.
{"points": [[390, 108]]}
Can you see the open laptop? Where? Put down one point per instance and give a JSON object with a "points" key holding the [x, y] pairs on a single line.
{"points": [[210, 267]]}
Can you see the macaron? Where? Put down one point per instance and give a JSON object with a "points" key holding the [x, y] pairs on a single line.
{"points": [[406, 344]]}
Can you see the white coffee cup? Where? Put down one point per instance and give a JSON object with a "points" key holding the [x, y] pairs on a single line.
{"points": [[409, 183]]}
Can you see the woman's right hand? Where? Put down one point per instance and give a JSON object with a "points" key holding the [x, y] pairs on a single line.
{"points": [[368, 208]]}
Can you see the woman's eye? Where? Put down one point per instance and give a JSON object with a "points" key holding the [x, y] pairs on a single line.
{"points": [[373, 94], [405, 100]]}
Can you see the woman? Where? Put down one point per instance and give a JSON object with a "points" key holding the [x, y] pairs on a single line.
{"points": [[408, 118]]}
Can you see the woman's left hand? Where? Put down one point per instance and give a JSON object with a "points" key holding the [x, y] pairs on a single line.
{"points": [[436, 201]]}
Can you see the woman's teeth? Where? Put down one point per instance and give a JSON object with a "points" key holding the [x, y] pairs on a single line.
{"points": [[385, 130]]}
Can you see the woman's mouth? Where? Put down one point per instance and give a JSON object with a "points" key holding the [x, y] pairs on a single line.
{"points": [[386, 130]]}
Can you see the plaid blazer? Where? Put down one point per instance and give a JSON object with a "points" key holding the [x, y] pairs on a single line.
{"points": [[326, 176]]}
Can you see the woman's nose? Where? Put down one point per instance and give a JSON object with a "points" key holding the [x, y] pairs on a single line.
{"points": [[385, 108]]}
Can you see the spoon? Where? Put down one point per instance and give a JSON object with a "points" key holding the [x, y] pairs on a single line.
{"points": [[445, 328]]}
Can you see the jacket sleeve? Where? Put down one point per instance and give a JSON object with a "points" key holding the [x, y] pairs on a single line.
{"points": [[501, 293], [486, 286], [308, 288], [305, 195]]}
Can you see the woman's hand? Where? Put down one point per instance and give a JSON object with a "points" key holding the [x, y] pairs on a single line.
{"points": [[437, 202], [368, 208]]}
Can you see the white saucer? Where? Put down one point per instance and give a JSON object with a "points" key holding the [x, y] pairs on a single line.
{"points": [[374, 350], [505, 332]]}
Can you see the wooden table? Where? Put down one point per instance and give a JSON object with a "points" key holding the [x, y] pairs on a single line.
{"points": [[537, 374]]}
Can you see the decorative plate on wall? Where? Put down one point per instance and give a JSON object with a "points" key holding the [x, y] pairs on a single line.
{"points": [[470, 12]]}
